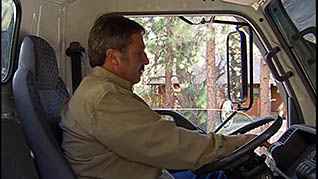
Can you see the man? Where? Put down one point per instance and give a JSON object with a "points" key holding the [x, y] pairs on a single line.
{"points": [[109, 132]]}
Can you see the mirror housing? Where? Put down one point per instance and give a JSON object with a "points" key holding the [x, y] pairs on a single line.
{"points": [[236, 57]]}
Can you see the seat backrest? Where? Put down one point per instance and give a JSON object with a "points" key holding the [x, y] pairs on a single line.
{"points": [[38, 94]]}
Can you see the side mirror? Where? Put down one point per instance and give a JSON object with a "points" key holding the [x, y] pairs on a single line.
{"points": [[309, 34], [236, 56]]}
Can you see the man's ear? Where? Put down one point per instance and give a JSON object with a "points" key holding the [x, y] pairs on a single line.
{"points": [[111, 55]]}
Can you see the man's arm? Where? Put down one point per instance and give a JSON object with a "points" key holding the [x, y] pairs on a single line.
{"points": [[135, 132]]}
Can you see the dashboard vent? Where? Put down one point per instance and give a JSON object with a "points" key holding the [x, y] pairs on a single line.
{"points": [[286, 135]]}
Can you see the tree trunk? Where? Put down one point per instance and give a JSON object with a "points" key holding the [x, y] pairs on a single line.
{"points": [[168, 71], [265, 91], [211, 80]]}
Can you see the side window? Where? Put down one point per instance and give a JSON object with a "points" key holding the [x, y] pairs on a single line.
{"points": [[8, 37], [296, 22], [187, 72]]}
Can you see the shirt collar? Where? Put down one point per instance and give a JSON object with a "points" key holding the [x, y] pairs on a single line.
{"points": [[104, 73]]}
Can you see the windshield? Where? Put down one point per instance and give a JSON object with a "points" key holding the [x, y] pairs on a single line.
{"points": [[296, 21]]}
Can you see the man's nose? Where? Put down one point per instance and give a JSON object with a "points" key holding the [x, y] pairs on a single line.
{"points": [[146, 60]]}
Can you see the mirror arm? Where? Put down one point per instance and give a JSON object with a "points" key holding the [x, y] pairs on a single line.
{"points": [[219, 127], [228, 67], [186, 20]]}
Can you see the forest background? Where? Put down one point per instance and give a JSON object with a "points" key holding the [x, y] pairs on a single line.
{"points": [[187, 70]]}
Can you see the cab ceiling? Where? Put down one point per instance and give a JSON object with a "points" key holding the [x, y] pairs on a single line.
{"points": [[240, 2]]}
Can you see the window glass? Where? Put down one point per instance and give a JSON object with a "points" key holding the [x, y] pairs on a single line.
{"points": [[303, 15], [296, 21], [8, 22], [187, 72]]}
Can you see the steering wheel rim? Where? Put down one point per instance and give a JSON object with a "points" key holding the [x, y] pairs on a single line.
{"points": [[180, 120], [248, 147]]}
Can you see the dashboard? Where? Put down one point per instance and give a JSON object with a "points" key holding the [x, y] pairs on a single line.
{"points": [[293, 155]]}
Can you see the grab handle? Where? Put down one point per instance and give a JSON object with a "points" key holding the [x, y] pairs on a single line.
{"points": [[269, 61]]}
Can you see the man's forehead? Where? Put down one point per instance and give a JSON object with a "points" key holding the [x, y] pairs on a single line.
{"points": [[137, 40]]}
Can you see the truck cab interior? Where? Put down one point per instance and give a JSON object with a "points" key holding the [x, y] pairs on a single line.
{"points": [[43, 60]]}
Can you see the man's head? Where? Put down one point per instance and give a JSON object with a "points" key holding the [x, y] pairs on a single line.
{"points": [[116, 43]]}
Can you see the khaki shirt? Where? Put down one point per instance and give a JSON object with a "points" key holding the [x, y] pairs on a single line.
{"points": [[109, 132]]}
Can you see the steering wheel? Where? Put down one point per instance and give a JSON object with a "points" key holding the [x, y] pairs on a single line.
{"points": [[239, 155], [180, 120]]}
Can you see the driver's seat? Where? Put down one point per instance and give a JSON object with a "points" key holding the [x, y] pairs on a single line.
{"points": [[38, 94]]}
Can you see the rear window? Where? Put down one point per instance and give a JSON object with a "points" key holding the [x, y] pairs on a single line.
{"points": [[8, 37]]}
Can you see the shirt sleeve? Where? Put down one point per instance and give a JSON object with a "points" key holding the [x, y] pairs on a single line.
{"points": [[131, 129]]}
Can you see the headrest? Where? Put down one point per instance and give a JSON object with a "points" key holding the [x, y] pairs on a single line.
{"points": [[37, 56]]}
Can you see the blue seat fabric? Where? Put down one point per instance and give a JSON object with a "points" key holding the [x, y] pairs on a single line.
{"points": [[38, 94]]}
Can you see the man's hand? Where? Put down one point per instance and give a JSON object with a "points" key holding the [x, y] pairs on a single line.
{"points": [[248, 137]]}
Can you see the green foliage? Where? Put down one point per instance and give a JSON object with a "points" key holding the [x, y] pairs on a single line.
{"points": [[188, 43]]}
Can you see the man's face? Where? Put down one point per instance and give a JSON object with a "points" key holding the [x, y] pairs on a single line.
{"points": [[133, 60]]}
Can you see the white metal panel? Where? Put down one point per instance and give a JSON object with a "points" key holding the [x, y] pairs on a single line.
{"points": [[242, 2], [83, 13], [168, 5], [81, 16], [30, 14], [49, 22]]}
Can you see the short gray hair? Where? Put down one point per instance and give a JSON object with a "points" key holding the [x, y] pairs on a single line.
{"points": [[110, 31]]}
